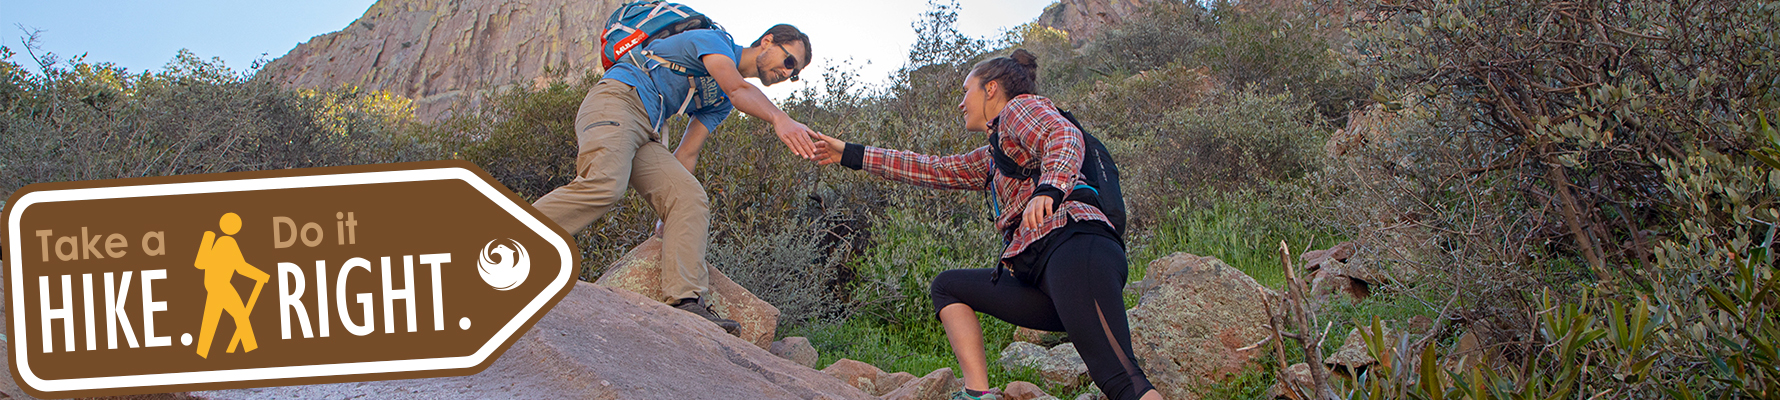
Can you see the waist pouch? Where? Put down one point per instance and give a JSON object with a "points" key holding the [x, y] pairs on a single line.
{"points": [[1029, 265]]}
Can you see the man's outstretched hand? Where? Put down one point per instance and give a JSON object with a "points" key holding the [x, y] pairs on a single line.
{"points": [[828, 149], [796, 137]]}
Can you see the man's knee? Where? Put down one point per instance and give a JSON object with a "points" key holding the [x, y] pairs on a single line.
{"points": [[690, 201]]}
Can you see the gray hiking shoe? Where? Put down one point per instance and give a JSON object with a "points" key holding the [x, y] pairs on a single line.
{"points": [[992, 394], [698, 307]]}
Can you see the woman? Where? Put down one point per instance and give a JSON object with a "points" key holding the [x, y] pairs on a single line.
{"points": [[1068, 266]]}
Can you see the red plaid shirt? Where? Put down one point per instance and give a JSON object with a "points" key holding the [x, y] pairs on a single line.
{"points": [[1032, 132]]}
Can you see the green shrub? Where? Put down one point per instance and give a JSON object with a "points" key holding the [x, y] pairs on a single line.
{"points": [[524, 138], [82, 121], [1235, 142]]}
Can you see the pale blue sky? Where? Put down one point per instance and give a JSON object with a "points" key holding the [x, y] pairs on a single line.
{"points": [[144, 35]]}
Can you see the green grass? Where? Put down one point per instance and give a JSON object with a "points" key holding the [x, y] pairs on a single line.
{"points": [[916, 347], [894, 329], [1345, 314], [893, 325], [1242, 229], [1252, 383]]}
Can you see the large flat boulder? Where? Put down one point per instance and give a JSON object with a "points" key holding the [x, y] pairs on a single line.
{"points": [[598, 343], [1194, 316], [640, 272]]}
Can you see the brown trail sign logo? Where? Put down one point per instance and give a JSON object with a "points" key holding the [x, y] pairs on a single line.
{"points": [[273, 278]]}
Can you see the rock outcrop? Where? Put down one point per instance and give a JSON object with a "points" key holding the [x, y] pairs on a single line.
{"points": [[598, 343], [1195, 316], [640, 272], [449, 55], [1330, 273], [1086, 19]]}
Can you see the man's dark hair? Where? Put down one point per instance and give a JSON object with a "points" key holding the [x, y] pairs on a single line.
{"points": [[785, 33]]}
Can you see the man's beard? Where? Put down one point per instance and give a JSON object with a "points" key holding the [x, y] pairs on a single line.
{"points": [[765, 72]]}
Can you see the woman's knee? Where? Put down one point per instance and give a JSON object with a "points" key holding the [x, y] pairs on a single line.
{"points": [[941, 285]]}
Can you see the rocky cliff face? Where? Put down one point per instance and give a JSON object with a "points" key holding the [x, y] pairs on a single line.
{"points": [[448, 55], [1085, 19]]}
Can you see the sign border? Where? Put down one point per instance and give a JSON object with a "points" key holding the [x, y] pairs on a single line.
{"points": [[273, 180]]}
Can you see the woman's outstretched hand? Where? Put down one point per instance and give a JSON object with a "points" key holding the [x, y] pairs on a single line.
{"points": [[1037, 210], [828, 149]]}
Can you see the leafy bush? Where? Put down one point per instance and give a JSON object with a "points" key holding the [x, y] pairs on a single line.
{"points": [[1524, 155], [524, 138], [1240, 141]]}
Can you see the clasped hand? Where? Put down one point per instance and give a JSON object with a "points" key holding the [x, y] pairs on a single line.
{"points": [[829, 150]]}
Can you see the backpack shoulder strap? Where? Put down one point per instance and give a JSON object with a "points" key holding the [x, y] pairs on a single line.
{"points": [[1006, 164], [1012, 169], [1072, 121]]}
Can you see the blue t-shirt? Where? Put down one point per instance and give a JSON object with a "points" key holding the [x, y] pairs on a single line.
{"points": [[663, 90]]}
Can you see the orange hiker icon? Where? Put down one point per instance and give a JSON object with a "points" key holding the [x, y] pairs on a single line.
{"points": [[221, 259]]}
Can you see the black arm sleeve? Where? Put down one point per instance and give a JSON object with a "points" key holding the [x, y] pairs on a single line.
{"points": [[853, 156]]}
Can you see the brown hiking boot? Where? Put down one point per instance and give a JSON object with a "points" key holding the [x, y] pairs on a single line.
{"points": [[698, 307]]}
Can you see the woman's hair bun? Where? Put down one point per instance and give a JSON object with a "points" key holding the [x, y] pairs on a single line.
{"points": [[1025, 58], [1017, 73]]}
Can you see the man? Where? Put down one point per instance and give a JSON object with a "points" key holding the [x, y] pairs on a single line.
{"points": [[698, 73]]}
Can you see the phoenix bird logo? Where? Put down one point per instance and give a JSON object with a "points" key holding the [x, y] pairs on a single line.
{"points": [[511, 268]]}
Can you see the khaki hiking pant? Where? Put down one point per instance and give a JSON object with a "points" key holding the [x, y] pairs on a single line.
{"points": [[620, 149]]}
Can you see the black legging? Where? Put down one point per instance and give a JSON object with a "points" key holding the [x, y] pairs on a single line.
{"points": [[1080, 292]]}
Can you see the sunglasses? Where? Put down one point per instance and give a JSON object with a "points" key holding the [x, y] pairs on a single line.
{"points": [[790, 63]]}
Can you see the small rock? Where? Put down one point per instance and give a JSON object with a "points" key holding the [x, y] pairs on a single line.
{"points": [[892, 381], [1356, 271], [1315, 259], [936, 385], [1330, 281], [1019, 355], [1092, 394], [858, 374], [1297, 374], [1353, 356], [1467, 354], [1064, 367], [1023, 390], [1038, 337], [797, 349]]}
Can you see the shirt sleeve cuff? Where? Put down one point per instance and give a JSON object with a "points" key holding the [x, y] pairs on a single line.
{"points": [[1053, 192], [853, 156]]}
